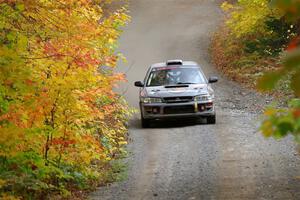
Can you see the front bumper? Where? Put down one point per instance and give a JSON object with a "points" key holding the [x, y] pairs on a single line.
{"points": [[177, 110]]}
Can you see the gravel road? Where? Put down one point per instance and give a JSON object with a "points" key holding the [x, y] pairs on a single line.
{"points": [[184, 160]]}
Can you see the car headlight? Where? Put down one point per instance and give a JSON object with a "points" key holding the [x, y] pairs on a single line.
{"points": [[151, 100], [203, 97]]}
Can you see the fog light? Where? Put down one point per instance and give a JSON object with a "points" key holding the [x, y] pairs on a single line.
{"points": [[201, 107]]}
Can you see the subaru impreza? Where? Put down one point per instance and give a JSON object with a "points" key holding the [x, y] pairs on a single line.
{"points": [[176, 89]]}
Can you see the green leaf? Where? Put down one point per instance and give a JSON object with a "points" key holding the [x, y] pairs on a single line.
{"points": [[284, 128], [294, 103], [20, 7], [11, 36], [269, 80], [295, 83]]}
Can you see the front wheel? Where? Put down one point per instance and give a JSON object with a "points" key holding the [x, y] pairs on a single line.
{"points": [[145, 122], [211, 119]]}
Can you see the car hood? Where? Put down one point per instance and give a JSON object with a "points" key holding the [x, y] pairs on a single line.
{"points": [[176, 91]]}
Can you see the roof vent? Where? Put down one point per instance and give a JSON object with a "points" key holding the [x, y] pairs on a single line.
{"points": [[174, 62]]}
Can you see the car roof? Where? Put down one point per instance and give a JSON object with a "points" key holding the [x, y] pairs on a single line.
{"points": [[184, 64]]}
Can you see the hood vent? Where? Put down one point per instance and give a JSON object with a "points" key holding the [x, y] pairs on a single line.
{"points": [[174, 62], [176, 86]]}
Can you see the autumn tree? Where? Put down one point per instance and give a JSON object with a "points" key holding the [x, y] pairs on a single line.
{"points": [[264, 35], [280, 122], [60, 120]]}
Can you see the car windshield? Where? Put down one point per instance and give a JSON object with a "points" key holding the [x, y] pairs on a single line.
{"points": [[175, 75]]}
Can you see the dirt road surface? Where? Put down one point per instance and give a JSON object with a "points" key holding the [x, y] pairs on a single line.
{"points": [[183, 160]]}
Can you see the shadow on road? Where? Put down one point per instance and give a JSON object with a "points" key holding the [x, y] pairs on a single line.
{"points": [[170, 123]]}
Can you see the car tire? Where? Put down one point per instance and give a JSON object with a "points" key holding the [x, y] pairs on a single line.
{"points": [[145, 122], [211, 119]]}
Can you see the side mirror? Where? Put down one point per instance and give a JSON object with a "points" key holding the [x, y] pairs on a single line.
{"points": [[213, 79], [138, 84]]}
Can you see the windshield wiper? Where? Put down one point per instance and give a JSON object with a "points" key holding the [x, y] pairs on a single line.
{"points": [[182, 83]]}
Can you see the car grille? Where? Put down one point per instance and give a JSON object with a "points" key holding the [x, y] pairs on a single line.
{"points": [[179, 109], [178, 99]]}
